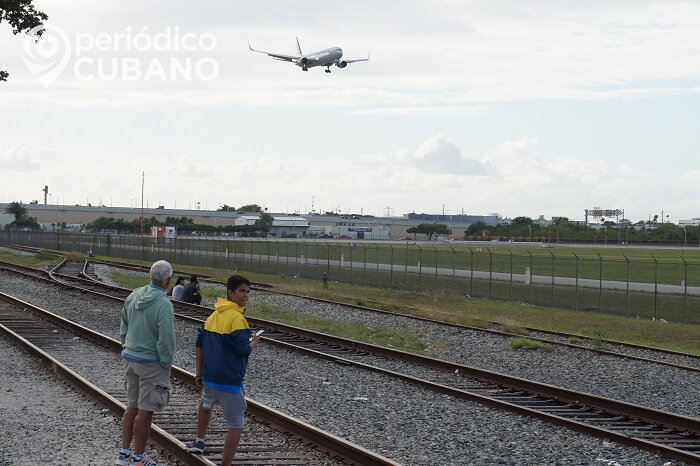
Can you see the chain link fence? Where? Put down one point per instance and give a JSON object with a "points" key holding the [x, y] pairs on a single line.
{"points": [[634, 288]]}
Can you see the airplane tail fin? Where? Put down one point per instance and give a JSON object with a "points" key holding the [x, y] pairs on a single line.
{"points": [[299, 47]]}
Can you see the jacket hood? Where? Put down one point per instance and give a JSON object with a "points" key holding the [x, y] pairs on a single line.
{"points": [[223, 304], [145, 296]]}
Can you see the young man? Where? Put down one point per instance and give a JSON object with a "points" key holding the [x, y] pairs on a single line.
{"points": [[191, 292], [222, 351], [147, 335]]}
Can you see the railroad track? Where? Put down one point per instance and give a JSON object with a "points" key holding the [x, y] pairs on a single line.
{"points": [[91, 283], [693, 364], [672, 435], [52, 337]]}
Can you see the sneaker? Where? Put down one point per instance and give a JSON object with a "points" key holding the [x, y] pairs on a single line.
{"points": [[196, 447], [123, 459], [145, 461]]}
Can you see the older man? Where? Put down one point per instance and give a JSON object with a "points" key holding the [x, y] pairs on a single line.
{"points": [[148, 337]]}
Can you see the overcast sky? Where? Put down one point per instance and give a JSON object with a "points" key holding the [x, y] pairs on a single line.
{"points": [[521, 108]]}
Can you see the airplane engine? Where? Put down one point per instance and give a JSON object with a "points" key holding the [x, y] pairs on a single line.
{"points": [[341, 64], [304, 61]]}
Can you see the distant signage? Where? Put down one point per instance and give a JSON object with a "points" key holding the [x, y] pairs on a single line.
{"points": [[360, 229]]}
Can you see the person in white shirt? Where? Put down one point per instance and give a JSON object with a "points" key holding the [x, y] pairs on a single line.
{"points": [[178, 289]]}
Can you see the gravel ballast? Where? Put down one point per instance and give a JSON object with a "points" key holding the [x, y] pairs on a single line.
{"points": [[406, 423]]}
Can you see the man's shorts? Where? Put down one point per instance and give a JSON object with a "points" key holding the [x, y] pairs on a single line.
{"points": [[147, 386], [233, 404]]}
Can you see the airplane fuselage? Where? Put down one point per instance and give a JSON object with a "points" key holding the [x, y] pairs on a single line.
{"points": [[325, 57]]}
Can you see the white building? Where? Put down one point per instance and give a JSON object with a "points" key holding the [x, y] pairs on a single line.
{"points": [[692, 222], [281, 226]]}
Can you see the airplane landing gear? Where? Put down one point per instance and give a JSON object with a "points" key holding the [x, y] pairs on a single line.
{"points": [[327, 70], [304, 68]]}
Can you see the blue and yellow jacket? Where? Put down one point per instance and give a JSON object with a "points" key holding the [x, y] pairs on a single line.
{"points": [[225, 344]]}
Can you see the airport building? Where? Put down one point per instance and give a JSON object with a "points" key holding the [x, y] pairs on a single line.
{"points": [[312, 225]]}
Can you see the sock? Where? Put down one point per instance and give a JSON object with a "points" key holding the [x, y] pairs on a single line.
{"points": [[199, 439], [126, 451]]}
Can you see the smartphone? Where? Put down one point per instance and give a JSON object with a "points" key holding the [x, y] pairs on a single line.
{"points": [[259, 332]]}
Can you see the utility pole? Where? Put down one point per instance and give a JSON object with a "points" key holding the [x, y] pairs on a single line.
{"points": [[46, 192]]}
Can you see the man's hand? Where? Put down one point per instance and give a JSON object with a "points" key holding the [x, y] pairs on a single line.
{"points": [[254, 340], [198, 381]]}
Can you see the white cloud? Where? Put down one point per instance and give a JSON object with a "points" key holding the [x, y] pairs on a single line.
{"points": [[19, 159], [439, 155]]}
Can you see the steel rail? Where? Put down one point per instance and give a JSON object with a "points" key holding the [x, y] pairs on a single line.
{"points": [[157, 434], [350, 452], [570, 399], [456, 325]]}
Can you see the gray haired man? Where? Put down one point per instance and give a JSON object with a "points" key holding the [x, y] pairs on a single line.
{"points": [[147, 335]]}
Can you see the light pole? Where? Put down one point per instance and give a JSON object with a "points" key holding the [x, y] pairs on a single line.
{"points": [[529, 228]]}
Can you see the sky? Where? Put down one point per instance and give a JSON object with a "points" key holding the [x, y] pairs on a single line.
{"points": [[517, 108]]}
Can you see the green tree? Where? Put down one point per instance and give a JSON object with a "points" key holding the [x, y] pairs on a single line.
{"points": [[21, 16], [265, 221], [430, 229], [521, 221], [476, 229], [251, 208], [17, 209], [226, 208]]}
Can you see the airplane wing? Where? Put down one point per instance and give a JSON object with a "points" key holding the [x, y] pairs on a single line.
{"points": [[277, 56], [358, 59]]}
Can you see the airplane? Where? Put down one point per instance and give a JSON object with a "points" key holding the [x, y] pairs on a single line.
{"points": [[327, 58]]}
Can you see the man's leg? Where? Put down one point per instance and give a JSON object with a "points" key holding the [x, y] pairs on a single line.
{"points": [[233, 436], [203, 418], [128, 426], [142, 427]]}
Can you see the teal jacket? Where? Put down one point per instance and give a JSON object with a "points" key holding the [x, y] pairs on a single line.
{"points": [[147, 327]]}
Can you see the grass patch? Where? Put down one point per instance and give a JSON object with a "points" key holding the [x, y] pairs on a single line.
{"points": [[526, 343], [38, 260], [128, 280], [212, 293], [453, 307], [512, 327], [405, 341], [74, 256], [574, 340]]}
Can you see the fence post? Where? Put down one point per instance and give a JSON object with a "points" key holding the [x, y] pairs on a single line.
{"points": [[364, 264], [420, 266], [600, 283], [296, 259], [510, 286], [436, 267], [328, 259], [454, 266], [576, 293], [405, 269], [286, 253], [352, 250], [376, 276], [656, 282], [552, 254], [685, 290], [532, 275], [471, 273], [627, 299], [391, 266], [490, 269]]}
